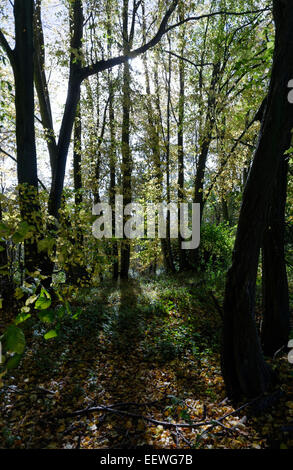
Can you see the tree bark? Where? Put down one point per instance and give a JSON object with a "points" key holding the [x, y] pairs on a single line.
{"points": [[125, 144], [42, 86], [276, 315], [244, 369], [168, 247], [73, 94], [183, 260], [113, 177], [112, 149], [77, 179], [23, 68]]}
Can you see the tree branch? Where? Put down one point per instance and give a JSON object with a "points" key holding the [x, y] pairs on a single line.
{"points": [[195, 424], [106, 64], [221, 169], [186, 60], [163, 29], [135, 8], [14, 159], [5, 46], [216, 13]]}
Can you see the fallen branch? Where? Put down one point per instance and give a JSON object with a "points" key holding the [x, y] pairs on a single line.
{"points": [[37, 390], [195, 424]]}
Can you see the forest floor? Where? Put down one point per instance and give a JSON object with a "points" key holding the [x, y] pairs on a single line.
{"points": [[140, 368]]}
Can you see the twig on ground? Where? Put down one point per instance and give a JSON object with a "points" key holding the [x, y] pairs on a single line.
{"points": [[196, 424]]}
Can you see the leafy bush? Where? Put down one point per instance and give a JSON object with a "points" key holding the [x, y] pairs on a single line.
{"points": [[216, 250]]}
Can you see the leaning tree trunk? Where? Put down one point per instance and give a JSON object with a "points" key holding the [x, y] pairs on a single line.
{"points": [[276, 315], [72, 100], [244, 369]]}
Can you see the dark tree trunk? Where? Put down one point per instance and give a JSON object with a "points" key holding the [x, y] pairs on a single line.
{"points": [[155, 145], [112, 150], [206, 139], [244, 369], [76, 271], [167, 243], [126, 152], [183, 260], [23, 67], [204, 148], [154, 142], [42, 86], [276, 316], [73, 94], [113, 174], [77, 179]]}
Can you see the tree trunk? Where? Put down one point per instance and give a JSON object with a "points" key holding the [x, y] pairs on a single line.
{"points": [[113, 174], [73, 94], [76, 270], [77, 179], [42, 86], [168, 248], [276, 316], [183, 261], [244, 369], [155, 145], [126, 152], [23, 68], [112, 150]]}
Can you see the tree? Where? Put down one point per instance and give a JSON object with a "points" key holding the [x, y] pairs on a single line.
{"points": [[244, 369], [21, 60], [276, 314], [128, 37]]}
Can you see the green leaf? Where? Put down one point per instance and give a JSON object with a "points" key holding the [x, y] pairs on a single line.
{"points": [[47, 316], [13, 362], [67, 307], [17, 237], [270, 45], [23, 232], [44, 300], [31, 299], [77, 314], [14, 339], [185, 415], [4, 230], [46, 244], [22, 317], [60, 312], [51, 334]]}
